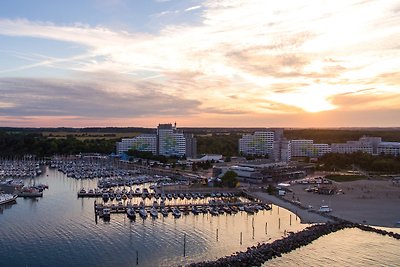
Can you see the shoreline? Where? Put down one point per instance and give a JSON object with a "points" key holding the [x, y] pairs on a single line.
{"points": [[306, 217]]}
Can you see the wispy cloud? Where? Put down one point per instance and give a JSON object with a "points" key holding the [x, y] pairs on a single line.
{"points": [[192, 8]]}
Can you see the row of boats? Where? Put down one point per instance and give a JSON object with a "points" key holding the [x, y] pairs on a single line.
{"points": [[19, 169], [129, 193], [89, 169], [154, 212]]}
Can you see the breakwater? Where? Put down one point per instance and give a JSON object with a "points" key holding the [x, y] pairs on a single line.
{"points": [[257, 255]]}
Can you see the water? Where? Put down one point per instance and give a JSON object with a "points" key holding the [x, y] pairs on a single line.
{"points": [[349, 247], [60, 230]]}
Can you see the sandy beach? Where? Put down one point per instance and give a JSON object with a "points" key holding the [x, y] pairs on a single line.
{"points": [[373, 202]]}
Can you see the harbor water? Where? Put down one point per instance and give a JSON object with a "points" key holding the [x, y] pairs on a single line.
{"points": [[60, 230]]}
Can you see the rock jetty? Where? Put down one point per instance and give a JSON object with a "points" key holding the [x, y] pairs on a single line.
{"points": [[257, 255]]}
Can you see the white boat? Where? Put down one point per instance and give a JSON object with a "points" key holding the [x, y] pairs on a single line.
{"points": [[324, 208], [7, 198], [105, 196], [130, 212], [154, 213], [176, 212], [143, 213], [164, 212], [106, 214]]}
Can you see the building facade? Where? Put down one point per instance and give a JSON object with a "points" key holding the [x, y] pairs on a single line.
{"points": [[167, 142], [259, 143], [389, 148], [170, 141], [191, 145], [282, 150], [351, 147], [143, 142], [307, 148]]}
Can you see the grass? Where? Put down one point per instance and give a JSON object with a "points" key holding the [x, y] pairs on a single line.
{"points": [[345, 178]]}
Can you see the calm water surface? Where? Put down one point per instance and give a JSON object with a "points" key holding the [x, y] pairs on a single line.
{"points": [[350, 247], [59, 230]]}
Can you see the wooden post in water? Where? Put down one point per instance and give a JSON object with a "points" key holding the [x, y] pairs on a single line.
{"points": [[184, 245], [137, 257], [217, 234], [290, 219], [278, 210], [241, 236], [253, 232], [266, 228], [279, 221], [252, 222]]}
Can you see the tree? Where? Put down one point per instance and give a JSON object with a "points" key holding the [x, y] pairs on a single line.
{"points": [[229, 179]]}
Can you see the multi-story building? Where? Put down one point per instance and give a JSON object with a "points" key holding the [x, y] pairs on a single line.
{"points": [[191, 145], [143, 142], [170, 141], [282, 150], [307, 148], [259, 143], [362, 145], [389, 148]]}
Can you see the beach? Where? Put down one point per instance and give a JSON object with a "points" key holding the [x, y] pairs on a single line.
{"points": [[373, 202]]}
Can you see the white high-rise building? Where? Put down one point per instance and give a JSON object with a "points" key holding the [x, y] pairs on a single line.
{"points": [[259, 143], [307, 148], [353, 146], [389, 148], [282, 150], [170, 141], [143, 142]]}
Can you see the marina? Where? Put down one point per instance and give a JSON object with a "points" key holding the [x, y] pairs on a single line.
{"points": [[66, 223], [192, 227]]}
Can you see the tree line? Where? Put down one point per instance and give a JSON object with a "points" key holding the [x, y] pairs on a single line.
{"points": [[20, 144], [364, 161]]}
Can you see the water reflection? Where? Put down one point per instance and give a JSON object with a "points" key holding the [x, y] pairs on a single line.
{"points": [[42, 232]]}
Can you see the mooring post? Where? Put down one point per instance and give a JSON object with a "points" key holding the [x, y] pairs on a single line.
{"points": [[184, 245], [137, 257], [241, 237], [217, 234], [266, 228], [279, 221], [290, 221]]}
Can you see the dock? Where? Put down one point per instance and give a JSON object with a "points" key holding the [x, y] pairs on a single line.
{"points": [[29, 194], [123, 208]]}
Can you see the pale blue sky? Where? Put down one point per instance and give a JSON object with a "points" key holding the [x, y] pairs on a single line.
{"points": [[259, 63]]}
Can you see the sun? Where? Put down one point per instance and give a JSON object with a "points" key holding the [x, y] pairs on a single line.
{"points": [[309, 101]]}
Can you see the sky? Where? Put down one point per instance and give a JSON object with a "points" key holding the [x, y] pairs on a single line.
{"points": [[222, 63]]}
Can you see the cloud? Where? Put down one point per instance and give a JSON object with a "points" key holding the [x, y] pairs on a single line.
{"points": [[192, 8], [251, 57], [39, 97]]}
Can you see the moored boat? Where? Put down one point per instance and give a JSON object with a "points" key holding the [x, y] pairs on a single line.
{"points": [[106, 214], [130, 212], [143, 213], [7, 198], [176, 212], [154, 213]]}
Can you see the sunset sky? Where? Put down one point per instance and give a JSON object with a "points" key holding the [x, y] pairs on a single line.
{"points": [[228, 63]]}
